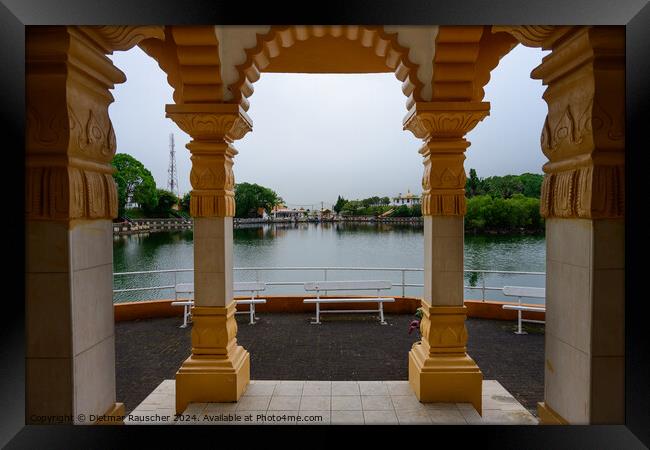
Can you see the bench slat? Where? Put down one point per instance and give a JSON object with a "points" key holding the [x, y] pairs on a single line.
{"points": [[237, 287], [347, 285], [249, 301], [249, 286], [524, 308], [522, 291], [348, 300], [188, 303], [239, 302], [185, 288]]}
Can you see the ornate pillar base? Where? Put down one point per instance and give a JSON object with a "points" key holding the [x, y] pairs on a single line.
{"points": [[439, 368], [549, 417], [211, 379], [114, 415], [218, 369]]}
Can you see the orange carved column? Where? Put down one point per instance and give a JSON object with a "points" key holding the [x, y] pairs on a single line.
{"points": [[218, 369], [439, 368], [583, 200], [70, 200]]}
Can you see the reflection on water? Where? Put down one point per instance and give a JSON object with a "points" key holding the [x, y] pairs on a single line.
{"points": [[326, 244]]}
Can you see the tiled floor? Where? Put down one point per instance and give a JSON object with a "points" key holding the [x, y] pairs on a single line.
{"points": [[332, 402]]}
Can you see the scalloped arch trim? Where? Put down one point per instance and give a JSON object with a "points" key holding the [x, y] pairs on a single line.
{"points": [[281, 38]]}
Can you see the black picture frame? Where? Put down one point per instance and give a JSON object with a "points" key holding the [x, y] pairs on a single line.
{"points": [[633, 14]]}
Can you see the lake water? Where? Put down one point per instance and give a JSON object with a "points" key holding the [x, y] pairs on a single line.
{"points": [[325, 245]]}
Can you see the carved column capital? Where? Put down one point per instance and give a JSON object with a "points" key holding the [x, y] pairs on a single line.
{"points": [[584, 132], [444, 120], [442, 126], [69, 137], [211, 122], [213, 127]]}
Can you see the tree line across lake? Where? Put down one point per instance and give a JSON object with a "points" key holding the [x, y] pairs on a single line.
{"points": [[136, 188], [497, 204]]}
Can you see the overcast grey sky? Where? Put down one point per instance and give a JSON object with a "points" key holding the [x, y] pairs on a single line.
{"points": [[317, 136]]}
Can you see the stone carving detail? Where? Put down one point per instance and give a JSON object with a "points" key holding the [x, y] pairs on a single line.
{"points": [[443, 329], [572, 129], [214, 330], [589, 192], [442, 126], [229, 127], [61, 193], [70, 140], [46, 132], [95, 138], [443, 186], [68, 171], [216, 121], [213, 128], [584, 133], [212, 204]]}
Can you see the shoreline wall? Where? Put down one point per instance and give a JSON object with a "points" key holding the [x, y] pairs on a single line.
{"points": [[158, 225], [151, 226], [152, 309]]}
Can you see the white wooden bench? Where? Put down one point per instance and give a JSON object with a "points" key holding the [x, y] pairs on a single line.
{"points": [[188, 302], [254, 289], [319, 286], [186, 290], [521, 291]]}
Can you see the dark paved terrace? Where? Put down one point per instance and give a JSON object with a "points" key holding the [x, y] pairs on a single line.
{"points": [[344, 347]]}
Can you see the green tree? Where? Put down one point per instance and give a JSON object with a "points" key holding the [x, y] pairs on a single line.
{"points": [[473, 184], [532, 184], [185, 203], [340, 203], [401, 211], [166, 200], [416, 210], [485, 212], [352, 208], [503, 187], [371, 201], [134, 182], [250, 197]]}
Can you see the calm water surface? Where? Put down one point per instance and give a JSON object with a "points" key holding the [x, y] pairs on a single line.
{"points": [[331, 245]]}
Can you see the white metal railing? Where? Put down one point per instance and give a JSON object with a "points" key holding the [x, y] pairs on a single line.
{"points": [[325, 272]]}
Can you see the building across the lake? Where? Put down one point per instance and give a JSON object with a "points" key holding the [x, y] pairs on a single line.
{"points": [[408, 199], [282, 212]]}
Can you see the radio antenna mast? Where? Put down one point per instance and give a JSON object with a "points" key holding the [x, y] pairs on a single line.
{"points": [[172, 174]]}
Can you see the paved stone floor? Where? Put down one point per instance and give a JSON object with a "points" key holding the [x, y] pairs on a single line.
{"points": [[345, 347], [293, 402]]}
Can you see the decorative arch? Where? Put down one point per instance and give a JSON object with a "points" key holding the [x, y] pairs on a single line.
{"points": [[279, 38], [464, 58], [189, 55]]}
